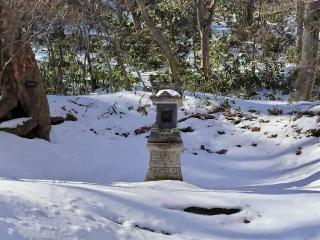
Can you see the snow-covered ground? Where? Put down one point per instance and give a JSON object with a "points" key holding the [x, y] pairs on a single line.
{"points": [[88, 182]]}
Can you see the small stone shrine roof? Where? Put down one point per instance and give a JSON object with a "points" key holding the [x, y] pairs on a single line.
{"points": [[167, 96], [168, 93]]}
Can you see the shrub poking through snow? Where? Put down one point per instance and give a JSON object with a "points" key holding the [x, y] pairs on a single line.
{"points": [[275, 111], [222, 151]]}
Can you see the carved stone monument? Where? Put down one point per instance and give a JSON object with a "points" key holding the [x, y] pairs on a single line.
{"points": [[165, 143]]}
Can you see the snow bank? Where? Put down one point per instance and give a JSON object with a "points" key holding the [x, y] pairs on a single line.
{"points": [[14, 123], [89, 178], [58, 210]]}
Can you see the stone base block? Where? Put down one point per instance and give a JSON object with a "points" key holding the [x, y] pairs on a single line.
{"points": [[164, 162]]}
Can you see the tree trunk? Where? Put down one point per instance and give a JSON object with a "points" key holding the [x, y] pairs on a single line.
{"points": [[299, 18], [308, 67], [107, 60], [249, 12], [93, 79], [58, 38], [60, 84], [161, 41], [121, 63], [22, 93], [204, 18], [1, 46], [135, 18], [205, 51]]}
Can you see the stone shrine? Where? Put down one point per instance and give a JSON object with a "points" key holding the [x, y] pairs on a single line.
{"points": [[165, 143]]}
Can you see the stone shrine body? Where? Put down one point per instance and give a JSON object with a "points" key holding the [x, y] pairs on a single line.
{"points": [[165, 143]]}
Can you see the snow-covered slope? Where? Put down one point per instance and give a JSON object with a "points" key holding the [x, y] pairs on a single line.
{"points": [[238, 157]]}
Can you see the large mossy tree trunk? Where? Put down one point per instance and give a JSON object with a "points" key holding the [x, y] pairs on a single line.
{"points": [[22, 93]]}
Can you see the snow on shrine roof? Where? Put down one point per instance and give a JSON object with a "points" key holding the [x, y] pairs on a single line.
{"points": [[168, 92]]}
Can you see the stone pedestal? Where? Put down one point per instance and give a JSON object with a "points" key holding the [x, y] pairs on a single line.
{"points": [[164, 162]]}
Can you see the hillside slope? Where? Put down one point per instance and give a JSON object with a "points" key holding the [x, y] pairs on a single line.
{"points": [[87, 183]]}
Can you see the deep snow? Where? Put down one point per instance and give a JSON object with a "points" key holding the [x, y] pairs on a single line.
{"points": [[87, 183]]}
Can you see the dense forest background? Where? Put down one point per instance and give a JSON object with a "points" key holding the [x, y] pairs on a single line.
{"points": [[239, 47]]}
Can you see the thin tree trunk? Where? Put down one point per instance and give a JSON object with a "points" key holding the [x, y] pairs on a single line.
{"points": [[58, 63], [299, 18], [204, 18], [84, 64], [110, 77], [308, 68], [194, 49], [194, 36], [107, 60], [84, 73], [121, 63], [249, 12], [60, 84], [205, 52], [139, 76], [119, 56], [90, 70], [161, 41], [135, 17], [115, 45], [93, 80]]}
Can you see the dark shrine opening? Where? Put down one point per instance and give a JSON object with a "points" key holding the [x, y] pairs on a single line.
{"points": [[166, 116]]}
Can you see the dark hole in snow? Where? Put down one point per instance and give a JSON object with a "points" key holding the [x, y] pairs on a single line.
{"points": [[235, 122], [212, 211], [94, 131], [299, 151], [202, 147], [246, 221], [252, 111], [125, 134]]}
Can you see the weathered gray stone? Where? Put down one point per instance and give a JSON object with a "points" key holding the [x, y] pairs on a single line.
{"points": [[164, 162], [165, 143]]}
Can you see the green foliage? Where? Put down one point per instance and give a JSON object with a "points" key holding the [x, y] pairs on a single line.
{"points": [[244, 61], [48, 78]]}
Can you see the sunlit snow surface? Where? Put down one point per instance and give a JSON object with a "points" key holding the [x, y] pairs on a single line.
{"points": [[14, 123], [88, 182]]}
